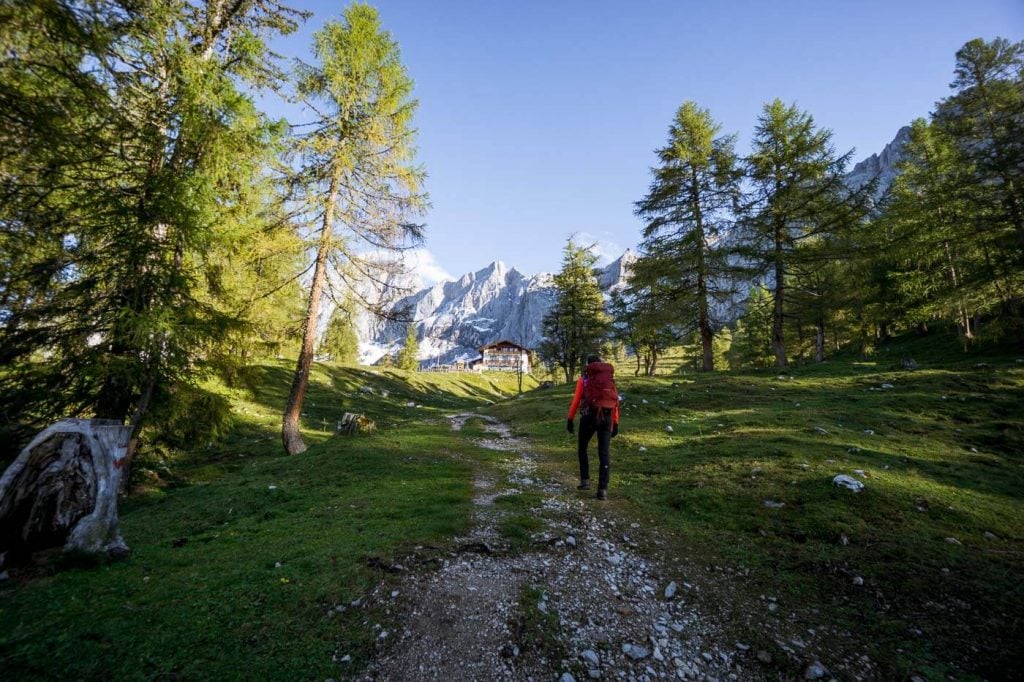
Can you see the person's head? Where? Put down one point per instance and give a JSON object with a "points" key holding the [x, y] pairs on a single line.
{"points": [[593, 358]]}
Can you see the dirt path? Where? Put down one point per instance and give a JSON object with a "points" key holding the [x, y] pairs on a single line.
{"points": [[578, 599]]}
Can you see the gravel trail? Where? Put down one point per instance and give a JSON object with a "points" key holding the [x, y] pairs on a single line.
{"points": [[605, 609]]}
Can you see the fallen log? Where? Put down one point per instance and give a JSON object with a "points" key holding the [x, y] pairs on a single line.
{"points": [[62, 491]]}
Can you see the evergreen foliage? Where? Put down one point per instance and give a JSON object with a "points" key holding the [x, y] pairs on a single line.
{"points": [[577, 323], [340, 341], [133, 166], [684, 269], [798, 199], [408, 356]]}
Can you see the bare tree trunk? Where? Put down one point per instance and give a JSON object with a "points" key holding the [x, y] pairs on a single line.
{"points": [[291, 437], [62, 490]]}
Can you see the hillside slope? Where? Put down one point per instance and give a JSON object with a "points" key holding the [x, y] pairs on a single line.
{"points": [[249, 560], [246, 561], [922, 571]]}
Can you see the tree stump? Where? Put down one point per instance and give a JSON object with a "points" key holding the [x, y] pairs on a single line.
{"points": [[62, 490], [351, 424]]}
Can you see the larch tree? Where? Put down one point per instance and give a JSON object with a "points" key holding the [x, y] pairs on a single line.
{"points": [[131, 149], [577, 323], [408, 356], [362, 186], [983, 120], [340, 341], [689, 209], [798, 195]]}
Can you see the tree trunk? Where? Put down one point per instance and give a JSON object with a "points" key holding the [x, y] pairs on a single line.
{"points": [[819, 341], [62, 490], [291, 437], [778, 343], [707, 337]]}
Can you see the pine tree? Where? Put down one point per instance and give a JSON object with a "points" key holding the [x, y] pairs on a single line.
{"points": [[577, 323], [361, 184], [688, 209], [798, 195], [408, 357]]}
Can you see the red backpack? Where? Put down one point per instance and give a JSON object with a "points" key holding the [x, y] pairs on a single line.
{"points": [[599, 390]]}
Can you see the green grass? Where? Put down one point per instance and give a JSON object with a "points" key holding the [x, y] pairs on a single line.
{"points": [[537, 629], [948, 439], [240, 553], [944, 460]]}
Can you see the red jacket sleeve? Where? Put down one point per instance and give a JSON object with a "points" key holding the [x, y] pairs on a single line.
{"points": [[577, 397]]}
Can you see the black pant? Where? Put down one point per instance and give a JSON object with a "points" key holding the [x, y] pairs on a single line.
{"points": [[601, 424]]}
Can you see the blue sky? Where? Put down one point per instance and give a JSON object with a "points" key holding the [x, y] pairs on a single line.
{"points": [[539, 120]]}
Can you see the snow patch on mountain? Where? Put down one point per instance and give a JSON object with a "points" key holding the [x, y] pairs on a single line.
{"points": [[455, 318]]}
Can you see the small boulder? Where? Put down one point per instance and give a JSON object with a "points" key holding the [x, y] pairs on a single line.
{"points": [[815, 671], [848, 482], [635, 651], [670, 591]]}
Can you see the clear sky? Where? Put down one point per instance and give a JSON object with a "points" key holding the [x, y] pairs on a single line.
{"points": [[538, 120]]}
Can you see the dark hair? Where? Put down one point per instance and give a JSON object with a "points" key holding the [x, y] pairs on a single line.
{"points": [[593, 358]]}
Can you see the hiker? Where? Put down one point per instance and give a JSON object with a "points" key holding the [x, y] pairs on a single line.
{"points": [[596, 391]]}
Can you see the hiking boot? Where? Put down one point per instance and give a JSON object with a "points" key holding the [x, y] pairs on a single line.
{"points": [[602, 494], [584, 485]]}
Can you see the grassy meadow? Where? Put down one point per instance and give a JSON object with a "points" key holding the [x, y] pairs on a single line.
{"points": [[921, 571], [241, 555]]}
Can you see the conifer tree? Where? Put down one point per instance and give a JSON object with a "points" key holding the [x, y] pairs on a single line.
{"points": [[644, 320], [132, 144], [577, 323], [408, 356], [340, 341], [688, 209], [798, 195], [752, 331], [361, 185]]}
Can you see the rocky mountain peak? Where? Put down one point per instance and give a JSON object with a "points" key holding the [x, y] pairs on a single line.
{"points": [[883, 165]]}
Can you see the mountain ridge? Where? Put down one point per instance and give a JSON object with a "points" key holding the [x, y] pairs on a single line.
{"points": [[454, 318]]}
